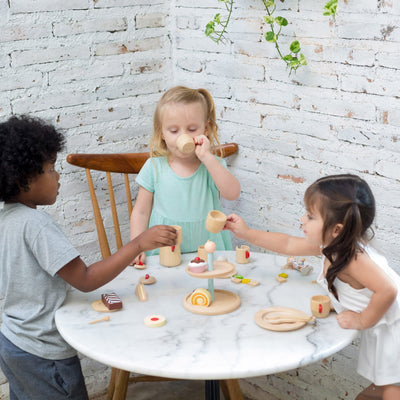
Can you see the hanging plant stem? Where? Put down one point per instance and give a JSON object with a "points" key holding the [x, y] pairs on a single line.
{"points": [[218, 35], [294, 59]]}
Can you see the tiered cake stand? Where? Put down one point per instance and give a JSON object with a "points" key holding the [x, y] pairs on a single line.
{"points": [[224, 301]]}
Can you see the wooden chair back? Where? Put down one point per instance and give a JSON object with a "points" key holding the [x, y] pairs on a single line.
{"points": [[122, 163]]}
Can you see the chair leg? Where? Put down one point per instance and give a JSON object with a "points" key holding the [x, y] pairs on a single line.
{"points": [[231, 389], [118, 389], [372, 392]]}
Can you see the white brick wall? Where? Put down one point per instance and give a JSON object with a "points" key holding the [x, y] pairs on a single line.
{"points": [[97, 68]]}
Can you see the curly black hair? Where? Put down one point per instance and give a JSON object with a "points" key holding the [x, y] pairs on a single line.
{"points": [[26, 143]]}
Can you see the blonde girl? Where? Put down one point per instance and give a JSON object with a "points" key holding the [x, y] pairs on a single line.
{"points": [[178, 188], [363, 288]]}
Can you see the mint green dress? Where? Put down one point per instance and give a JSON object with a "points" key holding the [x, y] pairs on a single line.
{"points": [[184, 202]]}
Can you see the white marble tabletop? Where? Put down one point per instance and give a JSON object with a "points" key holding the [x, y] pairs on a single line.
{"points": [[193, 346]]}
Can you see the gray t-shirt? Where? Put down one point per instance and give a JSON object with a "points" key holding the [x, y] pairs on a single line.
{"points": [[33, 249]]}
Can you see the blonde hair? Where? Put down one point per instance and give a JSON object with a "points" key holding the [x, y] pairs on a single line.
{"points": [[182, 94]]}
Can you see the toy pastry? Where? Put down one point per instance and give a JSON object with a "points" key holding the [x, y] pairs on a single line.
{"points": [[200, 297]]}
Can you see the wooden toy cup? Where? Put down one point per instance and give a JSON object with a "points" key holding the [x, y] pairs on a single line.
{"points": [[215, 221], [201, 252], [242, 254], [320, 306], [179, 231], [185, 144]]}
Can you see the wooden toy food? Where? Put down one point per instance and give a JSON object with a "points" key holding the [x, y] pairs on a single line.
{"points": [[155, 321], [111, 301], [200, 297], [197, 265]]}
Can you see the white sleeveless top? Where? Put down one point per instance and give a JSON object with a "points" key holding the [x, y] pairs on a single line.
{"points": [[379, 358]]}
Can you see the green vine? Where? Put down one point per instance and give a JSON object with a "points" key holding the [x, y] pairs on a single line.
{"points": [[217, 28], [218, 35], [330, 8], [294, 59]]}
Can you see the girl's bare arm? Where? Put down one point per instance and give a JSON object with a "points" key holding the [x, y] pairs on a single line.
{"points": [[277, 242], [227, 184], [140, 217], [367, 274]]}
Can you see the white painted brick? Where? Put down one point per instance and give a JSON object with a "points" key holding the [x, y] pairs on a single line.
{"points": [[235, 71], [21, 32], [155, 20], [390, 60], [98, 69], [58, 99], [390, 115], [88, 117], [21, 81], [46, 55], [22, 6], [129, 88], [126, 3], [147, 66], [107, 49], [90, 25]]}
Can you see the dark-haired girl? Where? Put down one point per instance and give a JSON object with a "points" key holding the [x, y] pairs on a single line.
{"points": [[364, 290]]}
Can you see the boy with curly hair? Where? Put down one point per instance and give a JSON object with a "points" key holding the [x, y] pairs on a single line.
{"points": [[38, 263]]}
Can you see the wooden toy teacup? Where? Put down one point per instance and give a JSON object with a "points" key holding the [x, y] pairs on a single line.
{"points": [[201, 252], [215, 221], [185, 144], [179, 231], [320, 306], [242, 254]]}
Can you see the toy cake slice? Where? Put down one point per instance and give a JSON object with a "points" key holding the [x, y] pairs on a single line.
{"points": [[111, 301]]}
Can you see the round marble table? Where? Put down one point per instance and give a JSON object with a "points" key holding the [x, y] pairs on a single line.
{"points": [[194, 346]]}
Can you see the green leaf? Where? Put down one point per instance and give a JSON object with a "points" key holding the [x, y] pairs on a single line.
{"points": [[294, 63], [217, 18], [288, 57], [269, 3], [281, 21], [269, 20], [210, 28], [295, 46], [302, 60], [270, 37]]}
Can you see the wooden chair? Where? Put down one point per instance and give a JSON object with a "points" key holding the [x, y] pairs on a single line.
{"points": [[126, 164]]}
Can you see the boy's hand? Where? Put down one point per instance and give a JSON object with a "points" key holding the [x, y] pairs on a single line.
{"points": [[140, 258], [236, 225], [157, 236]]}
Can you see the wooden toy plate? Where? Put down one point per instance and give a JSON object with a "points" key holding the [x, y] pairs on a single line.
{"points": [[224, 302], [261, 319], [222, 269], [99, 306]]}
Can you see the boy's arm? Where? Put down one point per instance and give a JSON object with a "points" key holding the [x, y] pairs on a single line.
{"points": [[277, 242], [86, 279]]}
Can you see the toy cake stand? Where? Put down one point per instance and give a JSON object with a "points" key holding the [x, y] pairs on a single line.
{"points": [[224, 301]]}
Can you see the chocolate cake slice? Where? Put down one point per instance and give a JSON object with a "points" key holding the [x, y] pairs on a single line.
{"points": [[111, 301]]}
